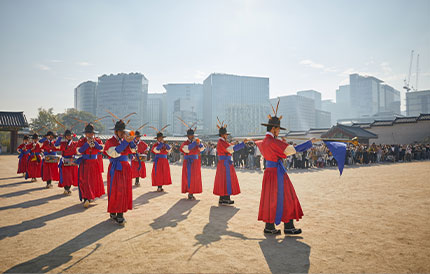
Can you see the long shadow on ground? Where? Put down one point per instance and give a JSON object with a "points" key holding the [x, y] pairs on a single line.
{"points": [[32, 203], [177, 213], [13, 230], [63, 253], [286, 255]]}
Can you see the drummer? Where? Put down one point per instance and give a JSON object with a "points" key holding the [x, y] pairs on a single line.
{"points": [[50, 160], [68, 169]]}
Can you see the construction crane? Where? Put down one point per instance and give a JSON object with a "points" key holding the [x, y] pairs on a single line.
{"points": [[406, 86], [418, 71]]}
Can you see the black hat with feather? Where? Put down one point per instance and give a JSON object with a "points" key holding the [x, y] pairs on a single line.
{"points": [[274, 121], [222, 128], [190, 130]]}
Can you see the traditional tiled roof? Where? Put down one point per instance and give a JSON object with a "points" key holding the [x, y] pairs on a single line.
{"points": [[353, 131], [12, 120], [382, 123], [424, 117]]}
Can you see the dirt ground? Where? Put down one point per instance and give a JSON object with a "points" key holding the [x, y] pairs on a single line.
{"points": [[372, 219]]}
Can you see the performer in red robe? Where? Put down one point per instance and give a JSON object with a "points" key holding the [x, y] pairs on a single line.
{"points": [[161, 170], [90, 181], [278, 200], [119, 181], [23, 156], [68, 169], [34, 159], [226, 182], [191, 166], [138, 168], [49, 169]]}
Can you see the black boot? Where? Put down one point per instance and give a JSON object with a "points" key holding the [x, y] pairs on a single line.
{"points": [[229, 202], [137, 182], [221, 200], [113, 216], [67, 190], [290, 229], [160, 189], [48, 184], [120, 219], [191, 197], [270, 229]]}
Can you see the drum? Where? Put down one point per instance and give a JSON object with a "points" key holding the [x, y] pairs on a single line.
{"points": [[69, 162], [142, 157], [52, 159]]}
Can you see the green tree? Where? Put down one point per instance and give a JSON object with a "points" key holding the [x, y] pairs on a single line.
{"points": [[68, 119], [44, 121]]}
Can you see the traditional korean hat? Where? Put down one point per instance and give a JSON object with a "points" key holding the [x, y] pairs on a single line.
{"points": [[25, 137], [222, 128], [89, 128], [274, 121], [190, 131], [50, 133], [136, 132], [34, 136], [67, 131], [119, 122], [159, 132]]}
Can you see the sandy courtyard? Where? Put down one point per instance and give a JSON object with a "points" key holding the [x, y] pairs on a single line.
{"points": [[372, 219]]}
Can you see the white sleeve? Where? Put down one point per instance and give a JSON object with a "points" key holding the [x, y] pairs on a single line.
{"points": [[290, 150], [185, 149], [112, 152], [230, 149], [202, 148]]}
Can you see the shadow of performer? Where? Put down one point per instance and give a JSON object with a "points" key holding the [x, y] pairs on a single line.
{"points": [[286, 255], [21, 192], [62, 254], [217, 227], [36, 202], [144, 198], [13, 230], [176, 214]]}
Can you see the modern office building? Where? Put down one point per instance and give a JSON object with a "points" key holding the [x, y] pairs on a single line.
{"points": [[332, 107], [122, 94], [245, 120], [298, 112], [156, 111], [85, 97], [322, 119], [417, 102], [183, 108], [192, 93], [313, 94], [389, 99], [223, 92], [343, 102]]}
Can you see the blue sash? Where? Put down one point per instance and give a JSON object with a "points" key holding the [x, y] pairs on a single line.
{"points": [[60, 167], [80, 162], [157, 156], [227, 163], [280, 180], [115, 165], [190, 159]]}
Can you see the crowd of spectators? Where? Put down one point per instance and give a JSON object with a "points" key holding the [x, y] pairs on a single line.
{"points": [[319, 156]]}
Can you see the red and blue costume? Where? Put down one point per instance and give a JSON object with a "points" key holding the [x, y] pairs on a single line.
{"points": [[226, 182], [23, 156], [278, 200], [138, 168], [49, 170], [34, 160], [191, 167], [119, 181], [90, 181], [68, 174], [161, 170]]}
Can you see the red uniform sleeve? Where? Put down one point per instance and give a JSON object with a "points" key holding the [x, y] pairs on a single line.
{"points": [[279, 147]]}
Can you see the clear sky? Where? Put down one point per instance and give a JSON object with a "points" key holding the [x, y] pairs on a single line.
{"points": [[48, 47]]}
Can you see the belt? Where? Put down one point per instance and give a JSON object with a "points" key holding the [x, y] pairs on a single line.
{"points": [[115, 165], [190, 159], [227, 163], [79, 161], [157, 156], [280, 181], [60, 167]]}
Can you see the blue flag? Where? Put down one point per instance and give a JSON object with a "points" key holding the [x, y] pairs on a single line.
{"points": [[338, 149]]}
